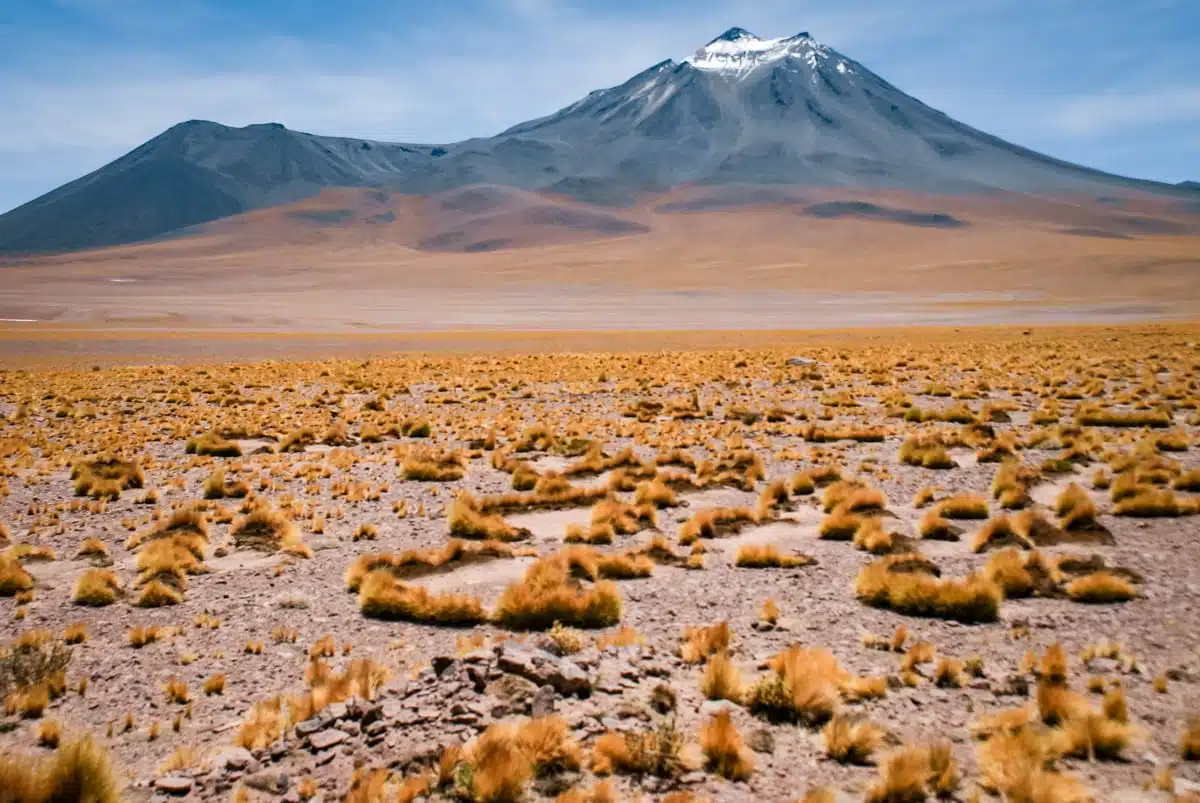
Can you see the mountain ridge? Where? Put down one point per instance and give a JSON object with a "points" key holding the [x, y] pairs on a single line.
{"points": [[741, 110]]}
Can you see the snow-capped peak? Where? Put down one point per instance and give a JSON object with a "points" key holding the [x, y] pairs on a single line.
{"points": [[737, 51]]}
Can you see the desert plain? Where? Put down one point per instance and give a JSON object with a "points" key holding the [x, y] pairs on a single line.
{"points": [[887, 564]]}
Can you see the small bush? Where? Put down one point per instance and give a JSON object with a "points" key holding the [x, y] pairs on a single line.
{"points": [[724, 751], [851, 741], [97, 587], [546, 595], [1101, 587]]}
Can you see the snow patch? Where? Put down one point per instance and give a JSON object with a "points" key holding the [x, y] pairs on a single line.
{"points": [[742, 52]]}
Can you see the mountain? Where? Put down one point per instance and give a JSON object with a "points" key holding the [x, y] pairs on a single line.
{"points": [[741, 111], [1189, 185]]}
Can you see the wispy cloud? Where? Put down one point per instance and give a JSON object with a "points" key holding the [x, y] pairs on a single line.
{"points": [[1111, 112]]}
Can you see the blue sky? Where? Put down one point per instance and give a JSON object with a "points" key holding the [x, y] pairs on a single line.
{"points": [[1113, 84]]}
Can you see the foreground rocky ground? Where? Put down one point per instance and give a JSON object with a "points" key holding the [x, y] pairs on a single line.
{"points": [[249, 565]]}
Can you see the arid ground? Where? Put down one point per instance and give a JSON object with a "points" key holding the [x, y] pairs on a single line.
{"points": [[888, 565], [695, 259]]}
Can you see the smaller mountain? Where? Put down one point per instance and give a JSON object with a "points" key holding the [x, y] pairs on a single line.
{"points": [[1189, 185]]}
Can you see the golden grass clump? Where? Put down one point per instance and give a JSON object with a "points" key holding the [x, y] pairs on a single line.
{"points": [[97, 587], [92, 547], [1154, 503], [212, 444], [760, 556], [382, 596], [421, 562], [214, 684], [79, 770], [1189, 741], [75, 633], [1101, 587], [429, 466], [1018, 764], [106, 476], [912, 774], [1093, 415], [548, 594], [999, 532], [699, 643], [1075, 509], [657, 752], [721, 679], [849, 740], [920, 593], [804, 685], [715, 523], [502, 761], [724, 751], [963, 506], [468, 520], [266, 529], [655, 492], [925, 452]]}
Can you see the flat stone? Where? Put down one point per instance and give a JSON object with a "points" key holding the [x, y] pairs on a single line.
{"points": [[327, 739], [174, 784], [308, 727], [233, 758]]}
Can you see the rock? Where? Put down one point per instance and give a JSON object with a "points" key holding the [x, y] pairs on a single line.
{"points": [[1134, 795], [710, 708], [371, 714], [174, 784], [327, 739], [336, 711], [541, 667], [441, 663], [351, 727], [392, 710], [692, 778], [234, 758], [801, 361], [544, 701], [308, 727], [275, 783], [760, 740]]}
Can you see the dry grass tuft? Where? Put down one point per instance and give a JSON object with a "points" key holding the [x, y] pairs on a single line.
{"points": [[97, 587], [268, 530], [548, 594], [106, 476], [724, 751], [918, 593], [804, 685], [76, 771], [762, 556], [1101, 587], [467, 520], [382, 596], [851, 741], [701, 642], [721, 679]]}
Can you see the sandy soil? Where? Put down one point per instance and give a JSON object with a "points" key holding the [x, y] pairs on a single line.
{"points": [[1016, 260]]}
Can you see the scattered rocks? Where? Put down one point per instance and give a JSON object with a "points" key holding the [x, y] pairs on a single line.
{"points": [[543, 668], [544, 701]]}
